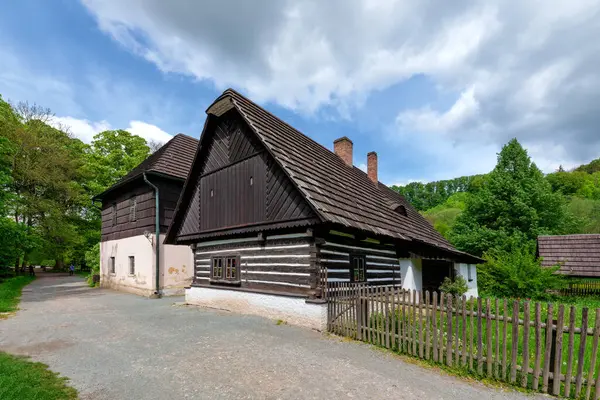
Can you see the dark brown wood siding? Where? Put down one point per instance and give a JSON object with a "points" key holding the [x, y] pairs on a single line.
{"points": [[145, 207], [382, 263], [239, 184], [280, 264], [124, 227], [234, 195]]}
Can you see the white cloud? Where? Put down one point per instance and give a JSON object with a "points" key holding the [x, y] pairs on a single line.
{"points": [[85, 130], [525, 69], [81, 128]]}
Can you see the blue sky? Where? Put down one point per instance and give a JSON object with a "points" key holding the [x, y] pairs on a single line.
{"points": [[434, 89]]}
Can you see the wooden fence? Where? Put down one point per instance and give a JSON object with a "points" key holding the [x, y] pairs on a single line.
{"points": [[582, 288], [533, 345]]}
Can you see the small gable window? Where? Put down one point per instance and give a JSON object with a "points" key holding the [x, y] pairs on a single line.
{"points": [[212, 193], [251, 181], [114, 214], [400, 209], [132, 209]]}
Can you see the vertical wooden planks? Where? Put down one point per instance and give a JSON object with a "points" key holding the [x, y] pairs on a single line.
{"points": [[497, 358], [538, 347], [590, 377], [435, 327], [471, 332], [525, 369], [421, 332], [548, 349], [449, 330], [515, 342], [464, 331], [488, 335], [427, 326], [441, 331], [457, 334], [393, 320], [581, 355], [569, 372], [504, 338], [414, 321], [558, 347], [402, 327], [479, 339], [386, 299]]}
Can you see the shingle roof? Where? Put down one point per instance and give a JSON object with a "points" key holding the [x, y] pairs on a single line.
{"points": [[578, 255], [173, 159], [339, 193]]}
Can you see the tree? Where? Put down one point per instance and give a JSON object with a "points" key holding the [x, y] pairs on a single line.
{"points": [[515, 204], [112, 155]]}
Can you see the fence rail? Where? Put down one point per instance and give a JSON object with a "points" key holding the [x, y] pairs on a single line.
{"points": [[533, 345]]}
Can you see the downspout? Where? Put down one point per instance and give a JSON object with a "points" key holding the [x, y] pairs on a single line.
{"points": [[157, 235]]}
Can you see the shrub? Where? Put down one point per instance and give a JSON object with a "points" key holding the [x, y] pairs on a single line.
{"points": [[518, 274], [92, 259], [456, 287]]}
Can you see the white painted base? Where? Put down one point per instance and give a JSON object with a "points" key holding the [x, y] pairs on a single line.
{"points": [[294, 311]]}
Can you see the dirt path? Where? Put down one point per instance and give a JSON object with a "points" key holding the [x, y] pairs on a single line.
{"points": [[120, 346]]}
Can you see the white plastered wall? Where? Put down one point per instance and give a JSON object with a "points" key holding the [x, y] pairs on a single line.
{"points": [[469, 272], [412, 273], [176, 266], [292, 310]]}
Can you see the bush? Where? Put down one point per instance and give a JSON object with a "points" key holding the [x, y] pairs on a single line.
{"points": [[518, 274], [92, 259], [456, 287]]}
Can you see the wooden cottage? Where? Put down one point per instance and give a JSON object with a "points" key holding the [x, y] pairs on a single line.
{"points": [[273, 216], [132, 256], [577, 255]]}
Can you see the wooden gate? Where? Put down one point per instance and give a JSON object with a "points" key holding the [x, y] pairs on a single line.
{"points": [[345, 308]]}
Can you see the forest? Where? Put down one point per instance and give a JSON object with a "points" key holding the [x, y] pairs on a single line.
{"points": [[499, 215], [48, 178]]}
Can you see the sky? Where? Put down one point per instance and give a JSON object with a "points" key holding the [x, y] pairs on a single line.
{"points": [[435, 87]]}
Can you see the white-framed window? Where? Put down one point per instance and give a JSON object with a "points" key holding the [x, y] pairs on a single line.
{"points": [[225, 268], [131, 265], [111, 265]]}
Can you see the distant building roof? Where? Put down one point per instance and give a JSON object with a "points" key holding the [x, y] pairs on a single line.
{"points": [[578, 255], [174, 159]]}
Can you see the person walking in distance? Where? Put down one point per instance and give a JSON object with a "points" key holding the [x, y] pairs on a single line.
{"points": [[71, 270], [31, 271]]}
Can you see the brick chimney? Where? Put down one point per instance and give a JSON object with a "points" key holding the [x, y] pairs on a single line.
{"points": [[372, 166], [343, 148]]}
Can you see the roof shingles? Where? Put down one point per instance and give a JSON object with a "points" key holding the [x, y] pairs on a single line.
{"points": [[577, 255]]}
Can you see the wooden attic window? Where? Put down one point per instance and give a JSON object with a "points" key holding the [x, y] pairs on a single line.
{"points": [[400, 209]]}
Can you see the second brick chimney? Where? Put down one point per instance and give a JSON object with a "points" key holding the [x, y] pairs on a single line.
{"points": [[343, 148], [372, 166]]}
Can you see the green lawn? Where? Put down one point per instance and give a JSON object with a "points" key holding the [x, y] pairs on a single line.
{"points": [[21, 379], [10, 292]]}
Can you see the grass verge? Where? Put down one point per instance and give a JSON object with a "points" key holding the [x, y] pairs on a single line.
{"points": [[10, 293], [24, 379]]}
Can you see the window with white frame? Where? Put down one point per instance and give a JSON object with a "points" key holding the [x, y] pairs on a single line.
{"points": [[111, 265], [225, 269]]}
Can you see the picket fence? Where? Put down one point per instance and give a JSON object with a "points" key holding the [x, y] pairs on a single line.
{"points": [[533, 345], [582, 288]]}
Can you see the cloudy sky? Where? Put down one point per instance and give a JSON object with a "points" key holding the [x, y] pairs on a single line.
{"points": [[435, 87]]}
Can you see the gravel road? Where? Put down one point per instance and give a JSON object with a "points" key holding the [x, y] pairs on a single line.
{"points": [[120, 346]]}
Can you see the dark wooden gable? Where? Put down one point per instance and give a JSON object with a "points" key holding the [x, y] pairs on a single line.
{"points": [[237, 184]]}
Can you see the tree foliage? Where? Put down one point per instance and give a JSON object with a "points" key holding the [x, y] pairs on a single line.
{"points": [[516, 204], [47, 181]]}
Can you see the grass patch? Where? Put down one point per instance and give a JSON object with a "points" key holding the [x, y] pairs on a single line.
{"points": [[24, 379], [10, 292], [281, 322]]}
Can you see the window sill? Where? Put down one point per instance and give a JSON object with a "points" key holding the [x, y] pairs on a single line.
{"points": [[224, 282]]}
